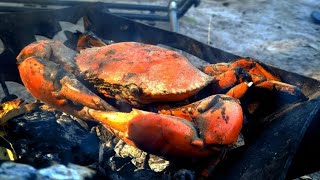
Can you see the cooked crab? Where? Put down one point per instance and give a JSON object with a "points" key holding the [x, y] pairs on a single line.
{"points": [[141, 74]]}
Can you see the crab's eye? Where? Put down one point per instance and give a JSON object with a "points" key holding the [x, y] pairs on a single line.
{"points": [[134, 89]]}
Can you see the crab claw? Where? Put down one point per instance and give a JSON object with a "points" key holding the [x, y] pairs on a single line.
{"points": [[51, 51], [217, 122], [50, 83], [219, 113]]}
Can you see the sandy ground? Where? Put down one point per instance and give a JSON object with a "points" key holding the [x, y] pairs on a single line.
{"points": [[280, 33]]}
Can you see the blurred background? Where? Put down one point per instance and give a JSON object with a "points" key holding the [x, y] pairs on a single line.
{"points": [[279, 33]]}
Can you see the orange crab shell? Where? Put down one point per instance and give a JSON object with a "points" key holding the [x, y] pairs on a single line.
{"points": [[141, 73]]}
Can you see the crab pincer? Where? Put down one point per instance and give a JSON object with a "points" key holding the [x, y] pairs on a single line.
{"points": [[214, 122], [52, 83]]}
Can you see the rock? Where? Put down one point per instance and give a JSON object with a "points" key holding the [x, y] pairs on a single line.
{"points": [[17, 171], [82, 171], [60, 171]]}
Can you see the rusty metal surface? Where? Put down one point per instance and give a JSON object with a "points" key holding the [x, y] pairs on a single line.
{"points": [[269, 153]]}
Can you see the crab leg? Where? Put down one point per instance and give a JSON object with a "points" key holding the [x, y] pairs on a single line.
{"points": [[88, 40], [250, 65], [281, 87], [233, 82], [243, 71], [215, 120]]}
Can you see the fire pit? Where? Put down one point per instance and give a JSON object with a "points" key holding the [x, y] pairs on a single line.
{"points": [[271, 143]]}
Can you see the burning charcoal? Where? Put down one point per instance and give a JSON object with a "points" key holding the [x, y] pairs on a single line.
{"points": [[39, 138], [117, 163], [115, 176], [105, 153], [145, 174], [106, 136], [184, 174]]}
